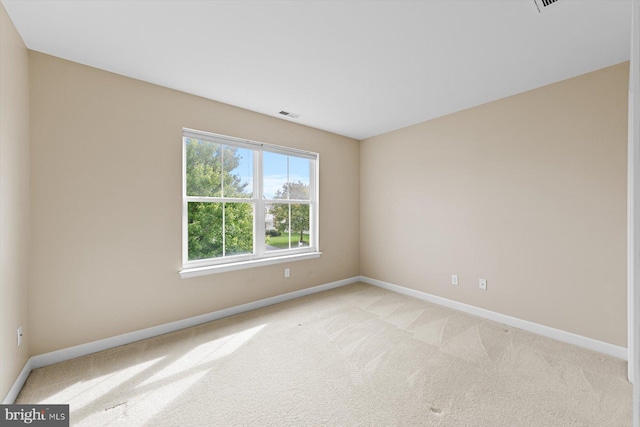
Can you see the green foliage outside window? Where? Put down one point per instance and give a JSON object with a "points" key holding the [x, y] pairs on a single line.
{"points": [[299, 212], [210, 173]]}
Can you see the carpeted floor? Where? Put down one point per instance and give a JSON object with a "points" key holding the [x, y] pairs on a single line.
{"points": [[356, 355]]}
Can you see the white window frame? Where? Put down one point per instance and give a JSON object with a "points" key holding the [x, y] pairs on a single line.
{"points": [[260, 256]]}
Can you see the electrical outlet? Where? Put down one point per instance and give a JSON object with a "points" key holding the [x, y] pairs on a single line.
{"points": [[19, 331], [287, 272], [483, 284], [454, 279]]}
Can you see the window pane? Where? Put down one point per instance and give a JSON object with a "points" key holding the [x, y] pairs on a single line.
{"points": [[299, 225], [286, 177], [205, 230], [300, 172], [238, 172], [275, 175], [276, 227], [203, 168], [286, 226], [238, 219], [206, 222]]}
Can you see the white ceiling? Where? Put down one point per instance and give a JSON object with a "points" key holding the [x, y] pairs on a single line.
{"points": [[355, 68]]}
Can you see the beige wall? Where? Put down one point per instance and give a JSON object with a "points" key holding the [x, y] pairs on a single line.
{"points": [[106, 194], [14, 201], [528, 192]]}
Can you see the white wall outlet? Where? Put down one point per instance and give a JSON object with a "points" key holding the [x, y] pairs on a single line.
{"points": [[483, 284], [454, 279], [287, 272], [19, 331]]}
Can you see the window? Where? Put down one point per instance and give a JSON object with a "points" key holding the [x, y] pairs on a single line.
{"points": [[246, 204]]}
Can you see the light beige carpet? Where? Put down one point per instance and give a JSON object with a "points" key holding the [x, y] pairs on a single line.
{"points": [[357, 355]]}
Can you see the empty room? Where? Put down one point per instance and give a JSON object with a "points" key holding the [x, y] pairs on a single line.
{"points": [[319, 213]]}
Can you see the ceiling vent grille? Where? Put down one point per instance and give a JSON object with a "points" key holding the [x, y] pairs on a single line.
{"points": [[289, 114], [541, 4]]}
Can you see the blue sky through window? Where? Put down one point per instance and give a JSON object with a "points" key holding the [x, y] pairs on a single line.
{"points": [[275, 170]]}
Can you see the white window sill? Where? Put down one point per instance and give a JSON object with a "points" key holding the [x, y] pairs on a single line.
{"points": [[222, 268]]}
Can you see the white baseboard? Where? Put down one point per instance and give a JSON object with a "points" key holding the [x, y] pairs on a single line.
{"points": [[556, 334], [46, 359], [18, 383], [69, 353]]}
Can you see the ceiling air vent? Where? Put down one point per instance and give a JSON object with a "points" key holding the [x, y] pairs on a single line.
{"points": [[289, 114], [542, 4]]}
